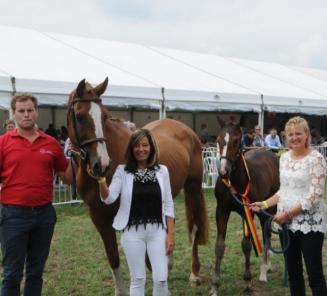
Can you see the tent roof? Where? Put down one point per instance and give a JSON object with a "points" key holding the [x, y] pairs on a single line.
{"points": [[50, 65]]}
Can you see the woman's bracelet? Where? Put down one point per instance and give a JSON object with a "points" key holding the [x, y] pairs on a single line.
{"points": [[102, 180], [265, 204]]}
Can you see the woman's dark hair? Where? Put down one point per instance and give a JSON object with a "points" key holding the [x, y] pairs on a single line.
{"points": [[131, 162]]}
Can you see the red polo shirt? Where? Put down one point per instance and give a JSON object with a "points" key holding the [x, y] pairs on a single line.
{"points": [[27, 169]]}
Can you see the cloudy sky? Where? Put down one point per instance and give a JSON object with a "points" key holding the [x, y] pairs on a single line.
{"points": [[292, 32]]}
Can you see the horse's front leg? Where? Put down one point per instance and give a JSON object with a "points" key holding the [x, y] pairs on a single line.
{"points": [[102, 218], [222, 217]]}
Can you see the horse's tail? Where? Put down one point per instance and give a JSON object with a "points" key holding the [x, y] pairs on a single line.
{"points": [[196, 211]]}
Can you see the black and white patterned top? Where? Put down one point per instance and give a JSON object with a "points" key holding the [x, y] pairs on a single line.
{"points": [[146, 204]]}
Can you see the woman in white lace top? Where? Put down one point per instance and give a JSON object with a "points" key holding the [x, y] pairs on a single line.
{"points": [[300, 204]]}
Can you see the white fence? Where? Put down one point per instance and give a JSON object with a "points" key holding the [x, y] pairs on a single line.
{"points": [[210, 166], [64, 194]]}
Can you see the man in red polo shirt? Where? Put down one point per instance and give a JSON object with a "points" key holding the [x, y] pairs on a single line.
{"points": [[28, 160]]}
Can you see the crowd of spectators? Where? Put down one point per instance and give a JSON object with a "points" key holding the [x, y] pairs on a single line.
{"points": [[274, 140]]}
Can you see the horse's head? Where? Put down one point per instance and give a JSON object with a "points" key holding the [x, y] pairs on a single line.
{"points": [[229, 144], [86, 123]]}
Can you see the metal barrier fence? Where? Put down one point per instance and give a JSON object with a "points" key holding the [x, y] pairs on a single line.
{"points": [[63, 193], [210, 155], [322, 150], [210, 158]]}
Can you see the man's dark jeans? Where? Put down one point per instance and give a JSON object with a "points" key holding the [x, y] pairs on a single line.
{"points": [[25, 235]]}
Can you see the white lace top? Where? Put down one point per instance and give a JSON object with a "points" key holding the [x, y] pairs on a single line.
{"points": [[303, 181]]}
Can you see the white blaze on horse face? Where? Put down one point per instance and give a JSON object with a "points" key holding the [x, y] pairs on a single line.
{"points": [[223, 162], [95, 113]]}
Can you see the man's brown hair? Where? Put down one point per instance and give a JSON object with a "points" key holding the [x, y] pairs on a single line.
{"points": [[22, 97]]}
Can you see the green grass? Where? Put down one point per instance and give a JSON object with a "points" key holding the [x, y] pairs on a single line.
{"points": [[77, 265]]}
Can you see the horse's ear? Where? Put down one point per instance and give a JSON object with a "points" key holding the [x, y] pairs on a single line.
{"points": [[80, 88], [100, 89], [221, 121]]}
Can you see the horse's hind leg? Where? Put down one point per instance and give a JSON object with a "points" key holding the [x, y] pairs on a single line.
{"points": [[197, 221], [103, 224]]}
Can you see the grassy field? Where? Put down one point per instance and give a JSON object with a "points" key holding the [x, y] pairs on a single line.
{"points": [[77, 265]]}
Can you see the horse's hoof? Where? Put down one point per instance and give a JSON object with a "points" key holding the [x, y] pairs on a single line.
{"points": [[195, 280]]}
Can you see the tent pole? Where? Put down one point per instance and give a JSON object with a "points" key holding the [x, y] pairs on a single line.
{"points": [[162, 113], [261, 116], [13, 85]]}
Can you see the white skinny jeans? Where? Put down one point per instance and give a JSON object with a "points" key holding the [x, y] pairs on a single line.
{"points": [[135, 244]]}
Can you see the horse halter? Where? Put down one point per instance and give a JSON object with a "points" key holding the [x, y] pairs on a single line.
{"points": [[236, 158], [83, 154]]}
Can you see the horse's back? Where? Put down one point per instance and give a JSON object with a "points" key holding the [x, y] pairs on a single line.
{"points": [[179, 149]]}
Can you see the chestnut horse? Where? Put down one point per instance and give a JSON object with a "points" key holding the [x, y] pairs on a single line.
{"points": [[263, 170], [101, 143]]}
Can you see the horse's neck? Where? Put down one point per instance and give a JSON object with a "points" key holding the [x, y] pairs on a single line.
{"points": [[117, 136], [239, 177]]}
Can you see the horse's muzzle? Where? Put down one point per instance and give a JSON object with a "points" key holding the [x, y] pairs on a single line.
{"points": [[97, 169]]}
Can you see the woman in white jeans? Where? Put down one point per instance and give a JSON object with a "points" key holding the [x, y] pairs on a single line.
{"points": [[146, 213]]}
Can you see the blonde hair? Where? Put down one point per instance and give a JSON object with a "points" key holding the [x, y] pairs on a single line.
{"points": [[298, 121]]}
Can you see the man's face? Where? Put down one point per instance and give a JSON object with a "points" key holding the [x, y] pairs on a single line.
{"points": [[273, 133], [25, 115], [10, 127]]}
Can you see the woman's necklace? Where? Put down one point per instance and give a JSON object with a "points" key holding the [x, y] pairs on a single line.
{"points": [[145, 175]]}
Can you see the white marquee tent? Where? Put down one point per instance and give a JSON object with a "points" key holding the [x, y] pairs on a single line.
{"points": [[50, 65]]}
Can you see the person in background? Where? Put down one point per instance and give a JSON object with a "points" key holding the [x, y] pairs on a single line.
{"points": [[272, 140], [258, 140], [282, 138], [28, 160], [300, 204], [51, 131], [146, 212], [9, 125], [63, 133], [68, 148], [247, 140], [204, 133], [316, 138]]}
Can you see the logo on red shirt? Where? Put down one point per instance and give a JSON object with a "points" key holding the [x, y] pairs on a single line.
{"points": [[44, 151]]}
